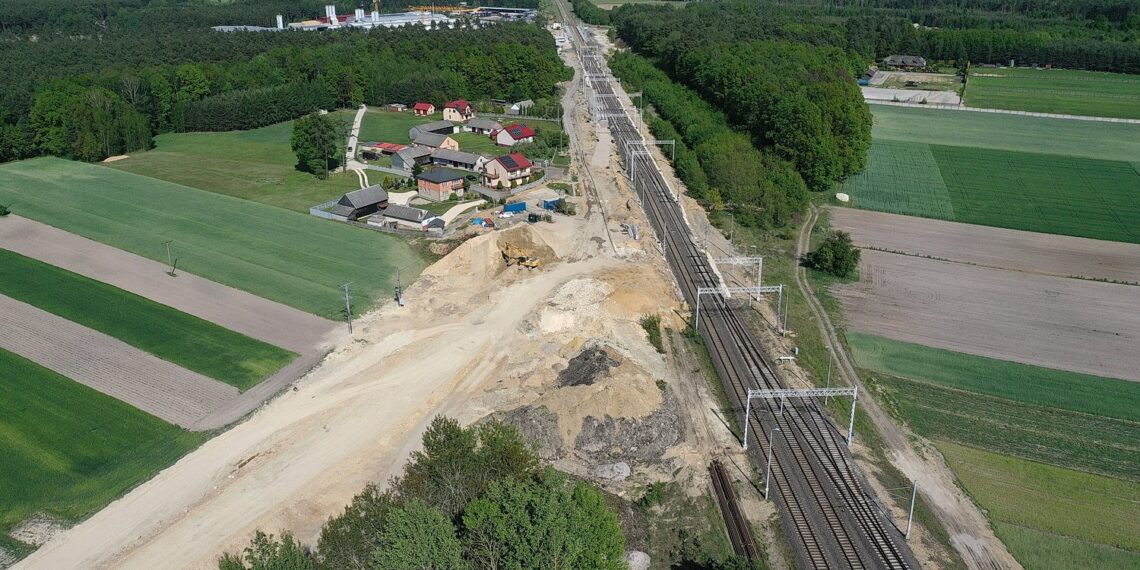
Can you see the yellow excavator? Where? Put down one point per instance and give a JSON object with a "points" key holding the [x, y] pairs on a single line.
{"points": [[513, 255]]}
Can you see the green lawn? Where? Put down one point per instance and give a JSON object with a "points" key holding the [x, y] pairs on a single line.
{"points": [[1056, 91], [256, 165], [167, 333], [1049, 499], [1037, 550], [386, 126], [1010, 380], [1031, 184], [292, 258], [68, 449]]}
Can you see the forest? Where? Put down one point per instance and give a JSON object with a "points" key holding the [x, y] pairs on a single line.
{"points": [[91, 96]]}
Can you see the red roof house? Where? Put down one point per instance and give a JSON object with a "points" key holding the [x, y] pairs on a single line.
{"points": [[512, 134], [423, 109], [507, 171], [459, 111]]}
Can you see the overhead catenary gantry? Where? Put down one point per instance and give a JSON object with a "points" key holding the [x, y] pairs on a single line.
{"points": [[783, 394], [726, 291]]}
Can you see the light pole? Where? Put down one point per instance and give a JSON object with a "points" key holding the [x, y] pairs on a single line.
{"points": [[169, 257], [768, 470], [830, 357]]}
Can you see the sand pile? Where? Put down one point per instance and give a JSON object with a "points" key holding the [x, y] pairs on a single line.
{"points": [[480, 258]]}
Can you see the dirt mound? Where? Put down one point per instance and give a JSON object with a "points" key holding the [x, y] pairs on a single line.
{"points": [[481, 258], [539, 427], [586, 368], [636, 440]]}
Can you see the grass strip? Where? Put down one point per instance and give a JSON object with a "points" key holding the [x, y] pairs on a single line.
{"points": [[169, 334], [68, 449]]}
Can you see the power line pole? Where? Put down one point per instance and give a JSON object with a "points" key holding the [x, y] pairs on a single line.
{"points": [[399, 289], [348, 304], [169, 257], [910, 517], [768, 471]]}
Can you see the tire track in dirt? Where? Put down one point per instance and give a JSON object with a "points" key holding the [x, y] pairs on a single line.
{"points": [[109, 365]]}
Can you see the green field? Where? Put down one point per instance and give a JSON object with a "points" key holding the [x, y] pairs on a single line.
{"points": [[1037, 550], [1011, 380], [292, 258], [174, 336], [1050, 499], [254, 165], [69, 450], [1055, 91], [1009, 184]]}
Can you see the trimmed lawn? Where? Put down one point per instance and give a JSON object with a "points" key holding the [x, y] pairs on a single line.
{"points": [[255, 165], [1037, 550], [386, 126], [1062, 91], [288, 257], [1011, 380], [174, 336], [1050, 499], [1064, 137], [68, 449]]}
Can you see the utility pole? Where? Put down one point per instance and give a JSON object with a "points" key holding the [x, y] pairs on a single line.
{"points": [[169, 257], [768, 470], [348, 304], [399, 289], [830, 357], [910, 517]]}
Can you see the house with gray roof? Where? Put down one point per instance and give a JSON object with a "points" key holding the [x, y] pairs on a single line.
{"points": [[409, 157], [458, 159], [432, 140], [405, 217], [437, 127], [482, 126], [360, 203]]}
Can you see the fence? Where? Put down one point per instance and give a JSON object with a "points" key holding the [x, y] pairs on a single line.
{"points": [[320, 211], [1006, 112]]}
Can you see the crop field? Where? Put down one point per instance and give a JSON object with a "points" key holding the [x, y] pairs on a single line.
{"points": [[255, 165], [1050, 499], [1037, 550], [69, 450], [1065, 195], [288, 257], [167, 333], [1023, 383], [1063, 137], [1055, 91]]}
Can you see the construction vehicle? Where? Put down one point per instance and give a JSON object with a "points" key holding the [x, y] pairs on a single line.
{"points": [[514, 256]]}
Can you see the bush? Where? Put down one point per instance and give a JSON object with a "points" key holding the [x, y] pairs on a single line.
{"points": [[565, 207], [836, 255], [654, 494], [4, 210], [652, 326]]}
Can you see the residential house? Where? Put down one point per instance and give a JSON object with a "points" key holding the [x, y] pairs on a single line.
{"points": [[458, 159], [360, 203], [423, 109], [520, 108], [482, 126], [438, 183], [512, 134], [397, 107], [458, 111], [507, 171], [404, 217], [437, 127], [432, 140], [408, 158], [905, 61]]}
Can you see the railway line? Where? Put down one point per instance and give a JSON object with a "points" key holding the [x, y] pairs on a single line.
{"points": [[831, 518]]}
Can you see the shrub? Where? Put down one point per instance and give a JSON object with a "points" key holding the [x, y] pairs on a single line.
{"points": [[836, 255], [652, 326], [4, 210]]}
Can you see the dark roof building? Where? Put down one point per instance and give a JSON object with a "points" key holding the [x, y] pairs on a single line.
{"points": [[406, 213], [360, 203], [905, 61], [437, 127], [440, 175], [432, 140]]}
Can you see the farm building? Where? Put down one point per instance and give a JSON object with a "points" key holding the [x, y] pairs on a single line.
{"points": [[458, 111], [408, 158], [507, 171], [360, 203], [905, 61], [404, 217], [438, 183], [520, 108], [432, 140], [437, 127], [397, 107], [423, 109], [458, 159], [380, 148], [482, 126], [512, 134]]}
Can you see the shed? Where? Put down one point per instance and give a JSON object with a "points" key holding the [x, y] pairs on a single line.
{"points": [[437, 127], [520, 108], [482, 126], [360, 203], [405, 216], [397, 107], [409, 157]]}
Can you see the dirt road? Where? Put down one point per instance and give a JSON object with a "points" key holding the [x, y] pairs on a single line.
{"points": [[968, 528], [110, 365], [1049, 321], [1030, 252]]}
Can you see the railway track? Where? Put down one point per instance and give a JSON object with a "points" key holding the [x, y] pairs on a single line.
{"points": [[739, 534], [832, 521]]}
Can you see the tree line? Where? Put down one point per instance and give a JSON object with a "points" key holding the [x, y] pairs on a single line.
{"points": [[474, 497], [117, 108]]}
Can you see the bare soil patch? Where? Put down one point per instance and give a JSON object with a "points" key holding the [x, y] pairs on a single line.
{"points": [[1043, 320], [109, 365], [987, 246]]}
